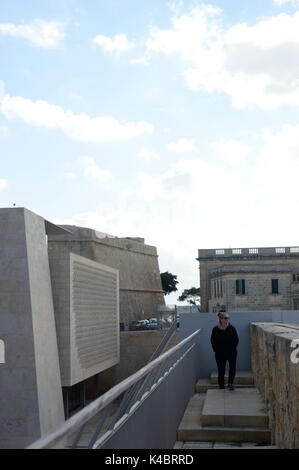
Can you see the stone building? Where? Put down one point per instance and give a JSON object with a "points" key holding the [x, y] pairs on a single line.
{"points": [[140, 288], [239, 279], [60, 295]]}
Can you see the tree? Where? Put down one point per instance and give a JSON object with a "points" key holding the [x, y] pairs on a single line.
{"points": [[191, 295], [169, 282]]}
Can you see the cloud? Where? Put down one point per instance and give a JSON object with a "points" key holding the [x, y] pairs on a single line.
{"points": [[70, 175], [186, 180], [276, 177], [3, 184], [2, 90], [108, 218], [188, 34], [255, 65], [118, 43], [40, 33], [205, 203], [182, 146], [92, 171], [294, 3], [232, 151], [266, 185], [4, 131], [75, 97], [147, 154], [79, 127], [139, 61]]}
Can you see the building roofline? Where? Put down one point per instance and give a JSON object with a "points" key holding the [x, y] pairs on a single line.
{"points": [[250, 253]]}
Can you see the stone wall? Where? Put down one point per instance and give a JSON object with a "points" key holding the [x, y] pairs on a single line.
{"points": [[137, 263], [136, 348], [31, 402], [258, 290], [277, 378]]}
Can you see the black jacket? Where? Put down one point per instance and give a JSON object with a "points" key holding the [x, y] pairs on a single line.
{"points": [[224, 341]]}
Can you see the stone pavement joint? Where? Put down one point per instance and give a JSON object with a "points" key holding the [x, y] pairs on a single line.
{"points": [[224, 419], [221, 445], [242, 407]]}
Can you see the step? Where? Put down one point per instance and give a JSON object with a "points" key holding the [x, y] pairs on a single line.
{"points": [[242, 377], [203, 385], [241, 408], [192, 429], [192, 445]]}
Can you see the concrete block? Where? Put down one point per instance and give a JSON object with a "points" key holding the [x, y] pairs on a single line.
{"points": [[226, 445], [178, 445], [203, 385], [31, 397], [240, 408], [198, 445], [242, 378], [192, 427]]}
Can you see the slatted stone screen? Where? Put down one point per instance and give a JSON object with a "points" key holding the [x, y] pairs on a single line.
{"points": [[86, 306], [94, 314], [94, 306]]}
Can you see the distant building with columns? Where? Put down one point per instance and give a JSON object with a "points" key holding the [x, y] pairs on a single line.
{"points": [[238, 279]]}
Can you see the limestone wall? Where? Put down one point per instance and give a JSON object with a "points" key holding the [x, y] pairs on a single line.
{"points": [[31, 402], [136, 348], [137, 263], [277, 378], [258, 291]]}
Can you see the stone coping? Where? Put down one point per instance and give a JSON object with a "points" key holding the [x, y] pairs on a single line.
{"points": [[290, 326]]}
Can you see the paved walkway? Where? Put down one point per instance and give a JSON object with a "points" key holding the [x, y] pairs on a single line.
{"points": [[241, 407], [224, 419], [220, 445]]}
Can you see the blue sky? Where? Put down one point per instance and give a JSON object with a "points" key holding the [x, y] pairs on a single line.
{"points": [[176, 121]]}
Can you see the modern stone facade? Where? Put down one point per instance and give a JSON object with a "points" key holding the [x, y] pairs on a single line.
{"points": [[48, 347], [31, 403], [242, 279], [86, 305], [59, 316], [275, 365], [139, 275]]}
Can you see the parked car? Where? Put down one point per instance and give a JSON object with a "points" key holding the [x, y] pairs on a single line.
{"points": [[138, 325], [153, 324]]}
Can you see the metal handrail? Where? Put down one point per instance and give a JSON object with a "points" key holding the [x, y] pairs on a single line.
{"points": [[165, 370], [135, 391], [83, 416], [166, 338]]}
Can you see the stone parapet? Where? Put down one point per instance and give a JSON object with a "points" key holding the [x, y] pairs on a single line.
{"points": [[251, 253], [277, 377], [83, 234]]}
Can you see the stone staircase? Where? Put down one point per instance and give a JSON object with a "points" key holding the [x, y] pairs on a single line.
{"points": [[217, 418]]}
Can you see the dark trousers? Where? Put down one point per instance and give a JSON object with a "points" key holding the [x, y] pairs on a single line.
{"points": [[221, 359]]}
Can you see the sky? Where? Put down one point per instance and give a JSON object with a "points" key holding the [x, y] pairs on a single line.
{"points": [[175, 121]]}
